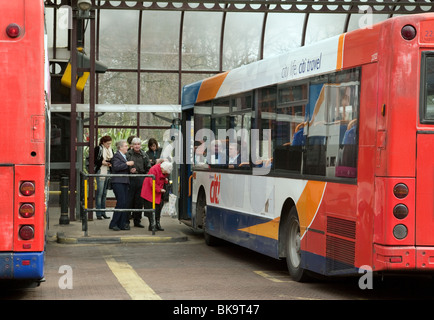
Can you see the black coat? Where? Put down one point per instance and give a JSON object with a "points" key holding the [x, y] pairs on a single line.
{"points": [[119, 166], [154, 155]]}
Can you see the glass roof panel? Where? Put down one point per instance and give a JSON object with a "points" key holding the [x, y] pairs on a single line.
{"points": [[359, 20], [160, 39], [201, 40], [321, 26], [118, 38], [241, 38], [283, 33]]}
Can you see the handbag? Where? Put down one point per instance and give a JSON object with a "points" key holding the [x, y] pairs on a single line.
{"points": [[169, 208]]}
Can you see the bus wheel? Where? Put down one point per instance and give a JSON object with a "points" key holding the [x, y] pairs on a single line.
{"points": [[201, 212], [293, 248]]}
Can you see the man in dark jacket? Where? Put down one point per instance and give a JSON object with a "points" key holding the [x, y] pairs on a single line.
{"points": [[120, 165], [141, 166]]}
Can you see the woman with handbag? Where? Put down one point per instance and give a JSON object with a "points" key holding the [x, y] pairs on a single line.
{"points": [[103, 155], [161, 172]]}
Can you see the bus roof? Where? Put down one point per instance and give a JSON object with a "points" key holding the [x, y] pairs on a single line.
{"points": [[343, 51]]}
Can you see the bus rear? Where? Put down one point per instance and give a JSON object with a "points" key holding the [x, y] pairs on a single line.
{"points": [[22, 140], [403, 140]]}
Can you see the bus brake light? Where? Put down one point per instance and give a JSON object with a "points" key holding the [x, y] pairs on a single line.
{"points": [[27, 188], [13, 30], [27, 232], [27, 210]]}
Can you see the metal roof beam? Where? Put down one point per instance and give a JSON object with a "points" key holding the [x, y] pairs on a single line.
{"points": [[290, 6]]}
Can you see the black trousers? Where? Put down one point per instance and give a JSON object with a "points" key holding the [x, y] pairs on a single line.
{"points": [[158, 207], [135, 201], [119, 219]]}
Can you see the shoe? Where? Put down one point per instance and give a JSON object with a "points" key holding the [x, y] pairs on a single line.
{"points": [[158, 226], [104, 216], [115, 228], [127, 227], [139, 225], [99, 218]]}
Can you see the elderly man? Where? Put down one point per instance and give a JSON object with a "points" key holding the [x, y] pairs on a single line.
{"points": [[141, 166]]}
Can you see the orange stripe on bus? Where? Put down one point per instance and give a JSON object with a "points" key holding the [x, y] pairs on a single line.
{"points": [[309, 202], [340, 59], [268, 229], [210, 87]]}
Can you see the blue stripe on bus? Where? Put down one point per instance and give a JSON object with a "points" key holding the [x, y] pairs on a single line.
{"points": [[225, 224], [189, 95], [326, 266], [12, 266]]}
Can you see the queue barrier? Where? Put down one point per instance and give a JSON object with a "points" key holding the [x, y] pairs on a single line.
{"points": [[84, 205]]}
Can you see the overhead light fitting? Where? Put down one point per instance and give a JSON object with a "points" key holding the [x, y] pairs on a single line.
{"points": [[84, 5]]}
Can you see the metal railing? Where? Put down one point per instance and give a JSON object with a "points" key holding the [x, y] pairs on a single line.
{"points": [[85, 208]]}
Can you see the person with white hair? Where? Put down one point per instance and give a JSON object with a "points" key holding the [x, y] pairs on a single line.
{"points": [[161, 172]]}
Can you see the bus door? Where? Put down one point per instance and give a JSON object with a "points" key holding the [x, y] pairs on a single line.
{"points": [[186, 181], [6, 207], [425, 188]]}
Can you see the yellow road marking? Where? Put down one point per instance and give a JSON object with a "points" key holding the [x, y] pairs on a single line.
{"points": [[131, 281], [273, 278]]}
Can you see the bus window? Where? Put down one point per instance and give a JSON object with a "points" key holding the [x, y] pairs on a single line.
{"points": [[202, 132], [331, 144], [241, 125], [263, 151], [241, 102], [219, 126], [341, 155], [314, 159], [428, 88], [290, 123]]}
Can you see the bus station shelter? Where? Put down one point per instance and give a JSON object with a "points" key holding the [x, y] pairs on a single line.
{"points": [[131, 59]]}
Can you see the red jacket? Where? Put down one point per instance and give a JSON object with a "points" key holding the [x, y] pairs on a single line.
{"points": [[160, 180]]}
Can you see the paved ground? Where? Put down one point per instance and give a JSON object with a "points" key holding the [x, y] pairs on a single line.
{"points": [[98, 231]]}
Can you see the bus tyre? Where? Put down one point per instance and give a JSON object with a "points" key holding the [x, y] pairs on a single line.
{"points": [[293, 248], [201, 212]]}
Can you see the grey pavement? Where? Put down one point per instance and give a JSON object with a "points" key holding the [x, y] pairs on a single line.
{"points": [[99, 232]]}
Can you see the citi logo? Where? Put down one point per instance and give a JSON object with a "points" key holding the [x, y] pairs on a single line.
{"points": [[214, 191]]}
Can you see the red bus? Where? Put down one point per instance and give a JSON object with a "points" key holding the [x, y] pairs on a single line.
{"points": [[24, 115], [339, 176]]}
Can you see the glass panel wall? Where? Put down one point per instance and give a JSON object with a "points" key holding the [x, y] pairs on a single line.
{"points": [[201, 45], [283, 33], [241, 39], [160, 40], [118, 38]]}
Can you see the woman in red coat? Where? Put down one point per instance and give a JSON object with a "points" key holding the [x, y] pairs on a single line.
{"points": [[161, 172]]}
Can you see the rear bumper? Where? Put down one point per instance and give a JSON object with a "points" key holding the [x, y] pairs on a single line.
{"points": [[22, 265], [403, 258]]}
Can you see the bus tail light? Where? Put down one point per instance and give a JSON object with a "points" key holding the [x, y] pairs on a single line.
{"points": [[13, 30], [400, 190], [27, 210], [400, 211], [400, 231], [27, 232], [27, 188]]}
